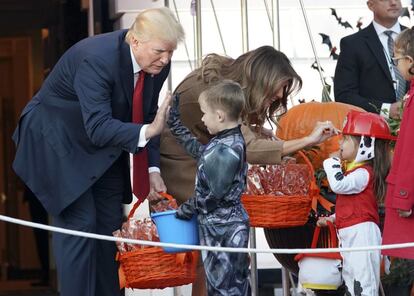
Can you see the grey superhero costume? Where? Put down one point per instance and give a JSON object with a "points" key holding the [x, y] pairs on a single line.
{"points": [[220, 181]]}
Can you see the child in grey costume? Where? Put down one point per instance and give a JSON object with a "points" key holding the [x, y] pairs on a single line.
{"points": [[220, 182]]}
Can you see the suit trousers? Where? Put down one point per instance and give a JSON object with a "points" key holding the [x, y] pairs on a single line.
{"points": [[87, 267], [39, 215]]}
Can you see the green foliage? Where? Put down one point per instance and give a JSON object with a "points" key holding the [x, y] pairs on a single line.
{"points": [[326, 90], [401, 273], [320, 175], [395, 123]]}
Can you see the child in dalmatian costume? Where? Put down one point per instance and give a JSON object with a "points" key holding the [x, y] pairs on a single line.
{"points": [[365, 147], [220, 181]]}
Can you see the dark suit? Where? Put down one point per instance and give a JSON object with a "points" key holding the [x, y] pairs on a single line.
{"points": [[73, 144], [362, 75]]}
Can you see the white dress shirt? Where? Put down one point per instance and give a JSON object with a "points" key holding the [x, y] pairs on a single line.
{"points": [[396, 29]]}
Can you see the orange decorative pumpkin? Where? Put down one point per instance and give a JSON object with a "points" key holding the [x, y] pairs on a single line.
{"points": [[300, 120]]}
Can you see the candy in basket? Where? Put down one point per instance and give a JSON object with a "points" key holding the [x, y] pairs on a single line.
{"points": [[287, 178], [280, 196], [148, 267]]}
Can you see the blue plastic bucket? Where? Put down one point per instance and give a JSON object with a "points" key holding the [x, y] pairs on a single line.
{"points": [[176, 231]]}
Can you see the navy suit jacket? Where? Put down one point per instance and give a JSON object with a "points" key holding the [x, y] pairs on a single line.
{"points": [[79, 123], [362, 77]]}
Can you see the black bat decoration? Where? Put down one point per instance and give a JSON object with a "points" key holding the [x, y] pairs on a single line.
{"points": [[339, 19], [359, 24], [333, 54], [315, 66], [326, 40], [405, 12]]}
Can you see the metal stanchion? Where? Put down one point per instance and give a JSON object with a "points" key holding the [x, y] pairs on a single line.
{"points": [[253, 264], [245, 26], [285, 282], [91, 21], [293, 285]]}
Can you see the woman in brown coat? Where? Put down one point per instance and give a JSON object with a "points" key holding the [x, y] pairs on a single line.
{"points": [[267, 79]]}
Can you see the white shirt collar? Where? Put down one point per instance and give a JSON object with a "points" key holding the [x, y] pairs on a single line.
{"points": [[135, 67], [380, 29]]}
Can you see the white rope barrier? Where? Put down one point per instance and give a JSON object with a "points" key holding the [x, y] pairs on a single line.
{"points": [[195, 247]]}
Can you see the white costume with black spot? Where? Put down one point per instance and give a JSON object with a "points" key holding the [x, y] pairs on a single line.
{"points": [[357, 222]]}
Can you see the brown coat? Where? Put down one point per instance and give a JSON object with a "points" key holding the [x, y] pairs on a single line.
{"points": [[178, 169]]}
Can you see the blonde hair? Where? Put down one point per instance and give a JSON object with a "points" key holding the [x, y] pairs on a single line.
{"points": [[157, 23], [226, 95], [261, 73]]}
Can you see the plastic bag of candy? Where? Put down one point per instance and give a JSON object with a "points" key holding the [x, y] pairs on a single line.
{"points": [[136, 229], [165, 203]]}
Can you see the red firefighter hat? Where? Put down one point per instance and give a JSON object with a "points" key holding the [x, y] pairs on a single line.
{"points": [[359, 123]]}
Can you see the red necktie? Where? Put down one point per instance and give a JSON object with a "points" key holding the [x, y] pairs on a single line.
{"points": [[140, 177]]}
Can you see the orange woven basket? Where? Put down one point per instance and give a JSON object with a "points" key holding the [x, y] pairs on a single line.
{"points": [[281, 211], [152, 268]]}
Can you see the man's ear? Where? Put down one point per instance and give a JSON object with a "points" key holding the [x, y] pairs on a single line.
{"points": [[134, 42], [370, 5]]}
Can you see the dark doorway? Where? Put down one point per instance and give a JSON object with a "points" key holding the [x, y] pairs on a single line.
{"points": [[33, 35]]}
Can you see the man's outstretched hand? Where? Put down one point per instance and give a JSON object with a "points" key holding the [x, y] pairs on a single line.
{"points": [[155, 128]]}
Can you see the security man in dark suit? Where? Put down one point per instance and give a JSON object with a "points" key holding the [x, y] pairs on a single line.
{"points": [[75, 135], [365, 75]]}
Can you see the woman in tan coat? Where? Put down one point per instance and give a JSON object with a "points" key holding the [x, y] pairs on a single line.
{"points": [[267, 79]]}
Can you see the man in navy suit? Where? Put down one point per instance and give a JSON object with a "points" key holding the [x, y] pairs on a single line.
{"points": [[364, 74], [74, 138]]}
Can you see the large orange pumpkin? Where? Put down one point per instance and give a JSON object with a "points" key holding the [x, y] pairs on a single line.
{"points": [[300, 120]]}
